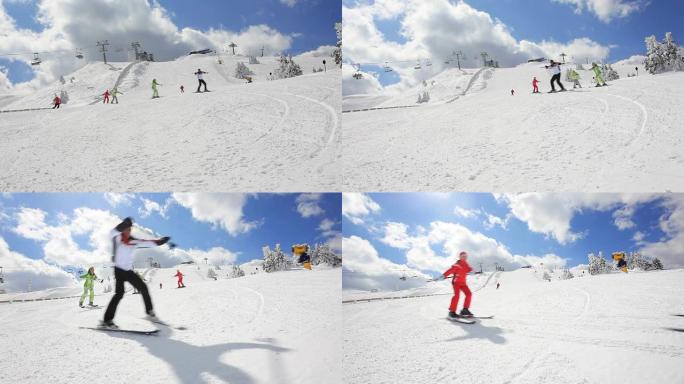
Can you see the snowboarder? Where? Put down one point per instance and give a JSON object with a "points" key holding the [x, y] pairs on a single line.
{"points": [[123, 252], [179, 275], [155, 92], [56, 102], [115, 91], [305, 260], [535, 85], [106, 97], [598, 76], [575, 77], [200, 77], [554, 69], [182, 89], [458, 272], [497, 285], [88, 287], [512, 92]]}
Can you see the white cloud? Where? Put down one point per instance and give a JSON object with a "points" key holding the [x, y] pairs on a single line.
{"points": [[150, 206], [368, 84], [356, 206], [432, 30], [215, 256], [671, 249], [496, 221], [70, 24], [20, 271], [289, 3], [466, 213], [224, 210], [607, 10], [307, 204], [115, 199]]}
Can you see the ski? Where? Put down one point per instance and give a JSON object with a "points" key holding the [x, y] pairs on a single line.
{"points": [[160, 322], [480, 317], [676, 329], [678, 315], [137, 332], [461, 320]]}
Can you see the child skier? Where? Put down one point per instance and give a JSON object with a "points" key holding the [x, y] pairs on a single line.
{"points": [[458, 272], [535, 85], [56, 102], [123, 252], [88, 287], [179, 275], [575, 77], [155, 92], [554, 69], [598, 76], [106, 97], [200, 78], [115, 92]]}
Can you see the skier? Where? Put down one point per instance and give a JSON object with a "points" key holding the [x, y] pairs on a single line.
{"points": [[574, 76], [200, 77], [637, 70], [535, 85], [458, 272], [555, 71], [123, 252], [598, 76], [497, 285], [512, 92], [88, 286], [56, 101], [160, 285], [179, 275], [106, 97], [155, 92], [115, 92], [182, 89]]}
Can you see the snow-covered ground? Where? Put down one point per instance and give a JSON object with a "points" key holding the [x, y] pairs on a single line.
{"points": [[474, 136], [268, 328], [597, 329], [269, 135]]}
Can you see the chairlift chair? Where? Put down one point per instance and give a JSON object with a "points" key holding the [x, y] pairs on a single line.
{"points": [[417, 65], [79, 55], [387, 67], [36, 59], [428, 63]]}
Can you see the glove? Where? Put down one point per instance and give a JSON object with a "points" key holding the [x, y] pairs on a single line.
{"points": [[172, 245], [163, 240]]}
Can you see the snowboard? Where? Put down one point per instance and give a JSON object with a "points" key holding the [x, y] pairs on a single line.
{"points": [[160, 322], [461, 320], [678, 315], [133, 331], [676, 329]]}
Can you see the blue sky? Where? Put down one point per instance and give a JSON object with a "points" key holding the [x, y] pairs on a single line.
{"points": [[279, 218], [309, 22], [613, 36], [569, 226]]}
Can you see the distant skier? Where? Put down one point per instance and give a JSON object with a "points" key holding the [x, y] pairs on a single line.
{"points": [[115, 99], [179, 275], [56, 102], [106, 97], [458, 272], [200, 78], [160, 285], [512, 92], [155, 92], [598, 76], [575, 77], [88, 287], [535, 85], [182, 88], [123, 254], [637, 70], [554, 69], [497, 285]]}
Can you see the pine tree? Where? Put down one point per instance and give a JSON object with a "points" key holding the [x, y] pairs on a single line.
{"points": [[610, 73], [242, 71], [253, 60], [236, 272], [211, 274], [337, 53], [288, 68], [657, 264], [662, 57], [566, 275], [275, 260], [322, 254], [672, 54]]}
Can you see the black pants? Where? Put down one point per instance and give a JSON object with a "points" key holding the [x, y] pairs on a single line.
{"points": [[200, 85], [122, 276], [556, 78]]}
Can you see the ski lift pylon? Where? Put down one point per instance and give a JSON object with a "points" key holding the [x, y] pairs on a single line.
{"points": [[36, 59]]}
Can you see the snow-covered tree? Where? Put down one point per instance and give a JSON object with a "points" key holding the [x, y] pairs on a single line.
{"points": [[288, 68], [337, 53], [212, 274], [61, 79], [609, 73], [242, 71], [253, 60], [566, 274], [546, 276], [322, 254], [275, 260], [423, 97], [236, 272], [636, 260], [598, 264], [663, 57], [64, 96], [657, 264]]}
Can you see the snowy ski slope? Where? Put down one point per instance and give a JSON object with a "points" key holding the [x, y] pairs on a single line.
{"points": [[269, 135], [601, 329], [624, 137], [267, 328]]}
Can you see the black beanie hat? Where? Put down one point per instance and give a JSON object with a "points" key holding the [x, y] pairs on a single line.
{"points": [[126, 223]]}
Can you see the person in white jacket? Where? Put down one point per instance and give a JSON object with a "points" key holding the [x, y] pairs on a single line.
{"points": [[555, 71], [123, 252]]}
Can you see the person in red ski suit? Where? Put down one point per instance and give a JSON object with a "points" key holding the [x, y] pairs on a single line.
{"points": [[458, 272], [535, 85], [179, 275], [56, 102], [106, 97]]}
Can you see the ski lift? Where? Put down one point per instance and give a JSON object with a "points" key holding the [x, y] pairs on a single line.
{"points": [[358, 75], [36, 59], [79, 54], [387, 67], [417, 65], [428, 63]]}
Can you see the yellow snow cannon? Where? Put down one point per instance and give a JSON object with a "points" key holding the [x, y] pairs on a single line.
{"points": [[620, 258], [300, 251]]}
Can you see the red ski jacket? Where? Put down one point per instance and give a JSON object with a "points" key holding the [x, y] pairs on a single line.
{"points": [[459, 271]]}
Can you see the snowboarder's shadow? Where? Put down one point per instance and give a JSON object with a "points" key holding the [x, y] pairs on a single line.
{"points": [[479, 331], [189, 361]]}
